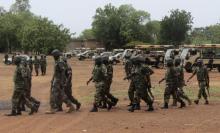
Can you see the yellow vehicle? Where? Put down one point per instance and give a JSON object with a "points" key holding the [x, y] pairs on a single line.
{"points": [[154, 54], [209, 53]]}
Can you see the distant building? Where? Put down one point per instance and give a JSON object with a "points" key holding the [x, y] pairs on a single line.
{"points": [[92, 44]]}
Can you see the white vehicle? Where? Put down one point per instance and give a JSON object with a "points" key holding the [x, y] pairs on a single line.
{"points": [[106, 54], [171, 54], [126, 52], [116, 58], [25, 57], [68, 54]]}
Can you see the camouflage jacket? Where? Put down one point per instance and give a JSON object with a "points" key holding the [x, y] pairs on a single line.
{"points": [[19, 78], [201, 73], [171, 76], [128, 67], [99, 73]]}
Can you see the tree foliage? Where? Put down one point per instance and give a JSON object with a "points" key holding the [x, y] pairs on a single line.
{"points": [[118, 26], [175, 28], [21, 30], [87, 34]]}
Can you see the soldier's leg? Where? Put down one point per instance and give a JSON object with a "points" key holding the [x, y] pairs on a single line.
{"points": [[131, 91], [109, 95], [145, 96], [136, 101], [201, 86], [68, 92], [167, 93], [179, 97], [203, 92], [184, 96]]}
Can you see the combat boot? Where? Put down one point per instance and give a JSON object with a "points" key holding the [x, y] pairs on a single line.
{"points": [[196, 102], [182, 104], [94, 109], [78, 105], [132, 108], [19, 111], [151, 108], [37, 107], [71, 109], [206, 102], [33, 109], [110, 104], [13, 113], [165, 106], [115, 101], [137, 107]]}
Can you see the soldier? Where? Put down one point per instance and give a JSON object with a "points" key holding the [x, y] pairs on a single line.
{"points": [[109, 66], [36, 65], [128, 70], [99, 75], [171, 85], [6, 59], [68, 88], [30, 64], [203, 81], [139, 81], [28, 84], [181, 81], [58, 84], [19, 90], [43, 65]]}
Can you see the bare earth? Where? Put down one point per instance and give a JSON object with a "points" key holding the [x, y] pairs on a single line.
{"points": [[193, 119]]}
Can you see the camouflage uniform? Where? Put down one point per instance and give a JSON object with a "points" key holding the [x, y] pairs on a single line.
{"points": [[171, 78], [140, 85], [36, 65], [128, 70], [42, 65], [181, 84], [68, 88], [58, 95], [19, 91], [202, 77], [108, 83]]}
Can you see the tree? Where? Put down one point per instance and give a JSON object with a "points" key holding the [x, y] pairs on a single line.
{"points": [[153, 30], [20, 6], [175, 28], [118, 26], [87, 34]]}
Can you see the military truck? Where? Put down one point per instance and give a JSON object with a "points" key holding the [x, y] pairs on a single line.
{"points": [[154, 54], [209, 53]]}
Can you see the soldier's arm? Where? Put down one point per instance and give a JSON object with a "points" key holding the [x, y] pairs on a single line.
{"points": [[62, 70], [194, 73]]}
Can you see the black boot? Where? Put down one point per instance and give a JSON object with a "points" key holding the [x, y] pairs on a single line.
{"points": [[13, 113], [151, 108], [196, 102], [182, 104], [78, 105], [37, 107], [115, 101], [23, 107], [110, 104], [206, 102], [130, 104], [137, 107], [19, 111], [132, 108], [165, 106], [33, 109], [94, 109]]}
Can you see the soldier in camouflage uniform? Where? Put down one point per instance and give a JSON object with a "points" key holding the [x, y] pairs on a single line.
{"points": [[30, 64], [171, 78], [99, 75], [36, 65], [68, 88], [203, 81], [45, 62], [58, 84], [128, 69], [109, 66], [43, 65], [181, 81], [140, 85], [19, 90]]}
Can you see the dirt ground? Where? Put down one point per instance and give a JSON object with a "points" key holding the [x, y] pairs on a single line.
{"points": [[192, 119]]}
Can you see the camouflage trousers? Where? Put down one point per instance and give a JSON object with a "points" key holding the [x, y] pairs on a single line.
{"points": [[141, 94], [202, 90], [107, 91], [58, 96], [131, 91], [171, 90], [43, 69], [100, 94], [36, 68], [17, 97], [68, 92]]}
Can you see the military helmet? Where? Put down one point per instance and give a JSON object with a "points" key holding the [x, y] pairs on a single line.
{"points": [[56, 52], [17, 60], [98, 60], [105, 59], [169, 62], [177, 61], [127, 56]]}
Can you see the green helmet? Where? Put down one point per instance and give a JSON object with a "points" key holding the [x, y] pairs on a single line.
{"points": [[56, 52], [98, 60], [17, 60], [177, 61], [169, 62], [105, 59]]}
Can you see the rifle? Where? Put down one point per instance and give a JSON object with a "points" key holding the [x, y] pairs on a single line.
{"points": [[207, 88]]}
